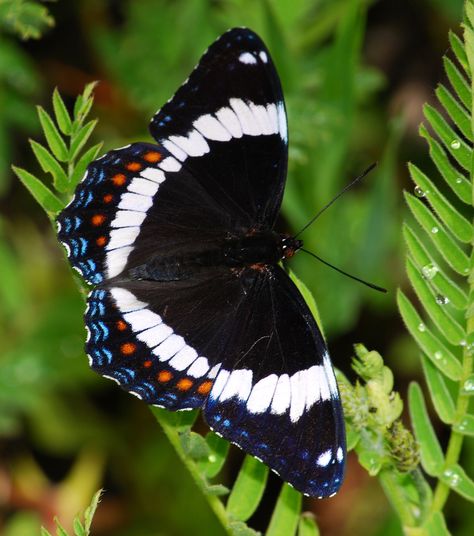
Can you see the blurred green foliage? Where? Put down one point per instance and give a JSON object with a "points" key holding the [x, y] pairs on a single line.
{"points": [[66, 433]]}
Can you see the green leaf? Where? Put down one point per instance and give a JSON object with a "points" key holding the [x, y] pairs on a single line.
{"points": [[307, 525], [456, 146], [458, 82], [84, 103], [456, 181], [445, 244], [431, 271], [45, 532], [194, 445], [50, 165], [285, 517], [215, 489], [440, 395], [181, 421], [238, 528], [455, 222], [456, 111], [435, 350], [465, 425], [457, 47], [79, 139], [446, 324], [48, 201], [218, 449], [456, 478], [84, 161], [248, 489], [91, 509], [78, 527], [308, 298], [60, 531], [430, 450], [55, 142], [436, 525], [62, 115], [28, 19]]}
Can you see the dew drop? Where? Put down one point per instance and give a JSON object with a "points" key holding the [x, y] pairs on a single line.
{"points": [[421, 327], [442, 300], [469, 386], [419, 192], [434, 230], [438, 355], [212, 458], [429, 270], [459, 180], [462, 426], [452, 477], [455, 144], [462, 342]]}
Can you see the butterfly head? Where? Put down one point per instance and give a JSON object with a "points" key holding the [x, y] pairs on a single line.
{"points": [[290, 246]]}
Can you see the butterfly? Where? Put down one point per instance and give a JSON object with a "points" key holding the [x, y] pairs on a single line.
{"points": [[189, 306]]}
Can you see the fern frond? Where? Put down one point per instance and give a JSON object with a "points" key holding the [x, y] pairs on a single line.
{"points": [[440, 249]]}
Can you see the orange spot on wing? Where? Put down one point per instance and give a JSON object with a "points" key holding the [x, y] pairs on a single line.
{"points": [[128, 348], [119, 179], [205, 387], [101, 241], [147, 364], [184, 384], [164, 376], [133, 166], [121, 325], [97, 219], [108, 198], [152, 157]]}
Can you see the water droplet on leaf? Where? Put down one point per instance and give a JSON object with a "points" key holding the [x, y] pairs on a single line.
{"points": [[442, 300], [459, 180], [419, 192], [429, 270], [434, 230], [455, 144], [421, 327], [469, 386], [438, 355]]}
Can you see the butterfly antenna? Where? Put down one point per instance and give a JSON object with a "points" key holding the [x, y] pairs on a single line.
{"points": [[370, 285], [344, 190]]}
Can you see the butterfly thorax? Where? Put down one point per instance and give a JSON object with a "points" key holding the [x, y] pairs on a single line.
{"points": [[254, 249]]}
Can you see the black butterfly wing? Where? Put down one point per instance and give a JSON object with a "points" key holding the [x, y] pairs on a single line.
{"points": [[143, 200], [162, 342], [275, 394], [244, 346], [134, 204], [227, 125], [246, 336]]}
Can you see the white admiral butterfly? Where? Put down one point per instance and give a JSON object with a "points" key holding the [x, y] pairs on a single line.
{"points": [[190, 308]]}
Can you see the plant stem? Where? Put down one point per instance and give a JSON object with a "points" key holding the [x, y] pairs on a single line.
{"points": [[214, 502], [397, 499]]}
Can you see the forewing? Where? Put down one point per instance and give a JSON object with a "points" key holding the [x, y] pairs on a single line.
{"points": [[133, 204], [276, 395], [227, 124]]}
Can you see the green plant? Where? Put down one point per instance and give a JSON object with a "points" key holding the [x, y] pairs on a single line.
{"points": [[439, 268], [80, 528], [204, 457], [384, 447]]}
